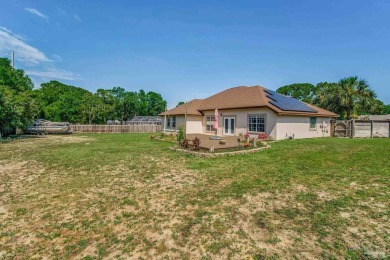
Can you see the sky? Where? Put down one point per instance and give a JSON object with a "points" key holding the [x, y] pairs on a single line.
{"points": [[193, 49]]}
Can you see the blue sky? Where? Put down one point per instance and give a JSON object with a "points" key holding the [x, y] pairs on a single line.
{"points": [[192, 49]]}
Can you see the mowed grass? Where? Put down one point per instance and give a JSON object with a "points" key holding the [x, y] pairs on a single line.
{"points": [[126, 196]]}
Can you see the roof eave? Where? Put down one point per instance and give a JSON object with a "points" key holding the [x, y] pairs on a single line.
{"points": [[318, 114]]}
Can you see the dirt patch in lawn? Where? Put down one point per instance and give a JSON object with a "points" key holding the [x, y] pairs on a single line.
{"points": [[35, 142]]}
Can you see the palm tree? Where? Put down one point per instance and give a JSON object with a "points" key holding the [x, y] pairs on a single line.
{"points": [[350, 95], [355, 95]]}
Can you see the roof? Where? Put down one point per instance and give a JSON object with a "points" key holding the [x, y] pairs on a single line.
{"points": [[191, 107], [250, 97]]}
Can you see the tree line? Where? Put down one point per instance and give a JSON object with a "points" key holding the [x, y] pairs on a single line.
{"points": [[349, 97], [20, 103]]}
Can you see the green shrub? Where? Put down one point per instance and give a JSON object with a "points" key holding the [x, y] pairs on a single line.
{"points": [[180, 134]]}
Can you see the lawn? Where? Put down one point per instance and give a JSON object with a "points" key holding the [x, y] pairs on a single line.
{"points": [[126, 196]]}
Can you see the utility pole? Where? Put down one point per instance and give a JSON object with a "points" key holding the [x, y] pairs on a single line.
{"points": [[13, 59]]}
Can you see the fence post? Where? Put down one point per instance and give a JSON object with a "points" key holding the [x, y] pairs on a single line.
{"points": [[372, 129], [332, 127]]}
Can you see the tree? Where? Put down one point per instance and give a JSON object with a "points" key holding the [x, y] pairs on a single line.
{"points": [[386, 110], [142, 104], [377, 108], [17, 103], [155, 104], [180, 103], [301, 91], [12, 78], [125, 103], [350, 95], [91, 108], [61, 102], [106, 107]]}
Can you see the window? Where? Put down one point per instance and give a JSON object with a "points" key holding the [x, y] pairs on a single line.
{"points": [[169, 122], [173, 122], [313, 122], [256, 123], [210, 123]]}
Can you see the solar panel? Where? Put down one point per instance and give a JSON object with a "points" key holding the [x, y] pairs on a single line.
{"points": [[287, 103]]}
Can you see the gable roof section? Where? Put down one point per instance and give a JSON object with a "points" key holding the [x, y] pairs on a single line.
{"points": [[250, 97], [191, 107], [238, 97]]}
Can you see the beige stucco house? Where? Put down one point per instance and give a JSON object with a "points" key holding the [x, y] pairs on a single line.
{"points": [[251, 110]]}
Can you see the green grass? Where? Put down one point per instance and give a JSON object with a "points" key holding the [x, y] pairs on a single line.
{"points": [[124, 195]]}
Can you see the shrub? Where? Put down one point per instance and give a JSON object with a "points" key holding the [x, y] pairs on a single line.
{"points": [[196, 143], [246, 135], [262, 136], [185, 143], [180, 134]]}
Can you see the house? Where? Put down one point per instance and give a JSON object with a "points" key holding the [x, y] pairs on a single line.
{"points": [[251, 110]]}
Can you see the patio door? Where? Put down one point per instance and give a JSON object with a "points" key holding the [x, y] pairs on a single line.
{"points": [[229, 125]]}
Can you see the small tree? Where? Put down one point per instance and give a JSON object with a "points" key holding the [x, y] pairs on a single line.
{"points": [[180, 134]]}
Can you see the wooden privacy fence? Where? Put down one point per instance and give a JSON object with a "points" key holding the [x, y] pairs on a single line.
{"points": [[116, 128], [360, 128]]}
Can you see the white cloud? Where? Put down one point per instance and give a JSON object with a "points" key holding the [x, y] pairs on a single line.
{"points": [[56, 57], [26, 53], [37, 63], [36, 12], [52, 73], [67, 15], [10, 32], [77, 18]]}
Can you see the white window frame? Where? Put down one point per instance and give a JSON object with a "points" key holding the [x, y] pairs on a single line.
{"points": [[310, 123], [168, 122], [212, 120], [264, 116], [173, 122], [234, 126]]}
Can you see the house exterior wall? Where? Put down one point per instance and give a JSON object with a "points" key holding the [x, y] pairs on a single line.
{"points": [[241, 120], [179, 120], [276, 127], [299, 127], [194, 124]]}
